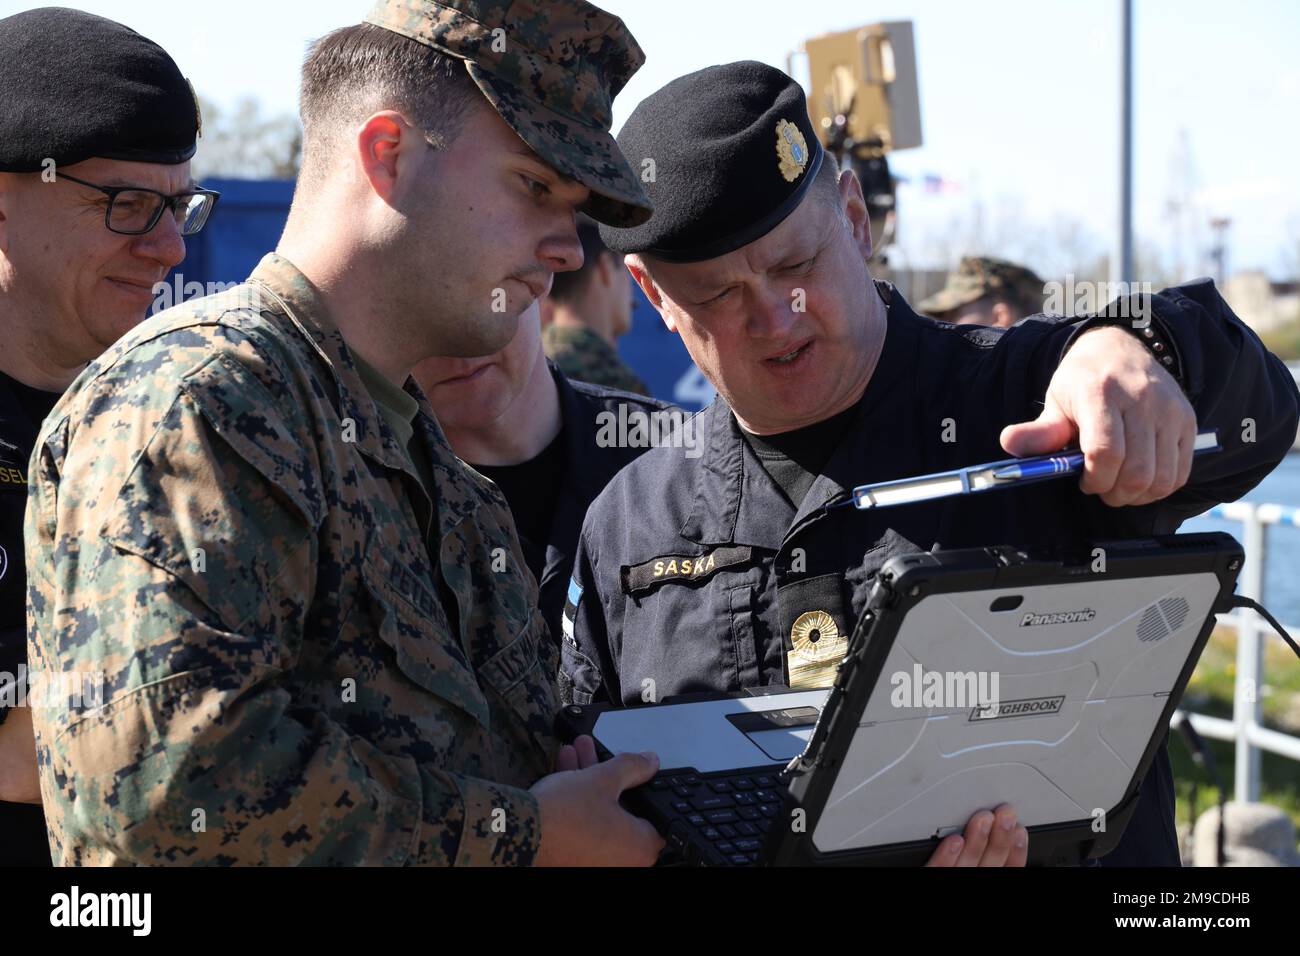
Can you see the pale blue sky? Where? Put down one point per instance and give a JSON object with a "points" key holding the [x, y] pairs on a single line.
{"points": [[1018, 99]]}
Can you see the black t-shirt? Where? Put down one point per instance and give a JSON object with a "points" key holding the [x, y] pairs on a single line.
{"points": [[22, 409], [531, 489], [794, 459]]}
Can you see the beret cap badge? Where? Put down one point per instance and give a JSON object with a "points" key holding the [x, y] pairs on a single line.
{"points": [[791, 150]]}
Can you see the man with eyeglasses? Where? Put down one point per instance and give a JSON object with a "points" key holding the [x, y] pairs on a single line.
{"points": [[97, 127]]}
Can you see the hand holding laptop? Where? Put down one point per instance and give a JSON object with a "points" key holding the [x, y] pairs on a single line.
{"points": [[990, 839], [582, 821]]}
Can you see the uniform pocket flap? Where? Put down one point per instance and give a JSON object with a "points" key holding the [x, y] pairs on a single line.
{"points": [[431, 660]]}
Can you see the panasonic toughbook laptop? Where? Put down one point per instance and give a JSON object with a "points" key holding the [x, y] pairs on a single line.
{"points": [[972, 678]]}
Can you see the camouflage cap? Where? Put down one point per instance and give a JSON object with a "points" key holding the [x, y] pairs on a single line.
{"points": [[978, 276], [551, 69]]}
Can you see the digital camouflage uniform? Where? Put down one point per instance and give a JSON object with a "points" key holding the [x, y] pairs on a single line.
{"points": [[306, 657], [980, 276], [584, 356], [277, 650]]}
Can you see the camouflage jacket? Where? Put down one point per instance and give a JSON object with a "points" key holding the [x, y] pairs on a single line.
{"points": [[221, 524], [584, 356]]}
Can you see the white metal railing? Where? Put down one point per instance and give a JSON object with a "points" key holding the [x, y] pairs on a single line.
{"points": [[1246, 729]]}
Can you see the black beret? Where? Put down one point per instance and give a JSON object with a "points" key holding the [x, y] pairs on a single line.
{"points": [[76, 86], [732, 152]]}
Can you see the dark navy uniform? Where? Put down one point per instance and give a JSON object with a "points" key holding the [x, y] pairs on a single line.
{"points": [[585, 466], [691, 571], [23, 841]]}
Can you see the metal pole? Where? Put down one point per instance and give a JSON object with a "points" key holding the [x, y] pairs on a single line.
{"points": [[1246, 705], [1121, 258]]}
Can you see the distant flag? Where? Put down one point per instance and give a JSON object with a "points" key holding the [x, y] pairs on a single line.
{"points": [[938, 184], [931, 183]]}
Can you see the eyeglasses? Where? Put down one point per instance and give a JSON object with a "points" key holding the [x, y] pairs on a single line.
{"points": [[134, 211]]}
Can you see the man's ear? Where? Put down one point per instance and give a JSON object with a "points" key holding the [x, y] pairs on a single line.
{"points": [[855, 209], [641, 276], [1003, 315], [379, 143]]}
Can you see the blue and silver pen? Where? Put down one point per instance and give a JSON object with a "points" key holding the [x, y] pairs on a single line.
{"points": [[990, 476], [1050, 466]]}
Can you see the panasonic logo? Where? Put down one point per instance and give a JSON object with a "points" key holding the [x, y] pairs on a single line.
{"points": [[1029, 707], [1057, 617]]}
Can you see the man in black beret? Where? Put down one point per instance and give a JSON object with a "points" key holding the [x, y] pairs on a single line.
{"points": [[757, 255], [97, 127]]}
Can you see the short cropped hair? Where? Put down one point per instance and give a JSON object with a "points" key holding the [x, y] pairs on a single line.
{"points": [[358, 70]]}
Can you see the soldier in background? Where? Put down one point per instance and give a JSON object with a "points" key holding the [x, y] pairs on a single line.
{"points": [[91, 108], [586, 314], [319, 646], [518, 420], [986, 291]]}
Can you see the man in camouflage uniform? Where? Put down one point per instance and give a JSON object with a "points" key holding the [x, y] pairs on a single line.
{"points": [[586, 313], [986, 291], [316, 639]]}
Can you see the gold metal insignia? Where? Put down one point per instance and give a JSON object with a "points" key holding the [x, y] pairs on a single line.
{"points": [[812, 633], [791, 150], [816, 650]]}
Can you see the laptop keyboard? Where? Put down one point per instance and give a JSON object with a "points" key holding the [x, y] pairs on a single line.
{"points": [[716, 819]]}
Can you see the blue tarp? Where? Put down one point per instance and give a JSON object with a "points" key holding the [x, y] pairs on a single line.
{"points": [[250, 217]]}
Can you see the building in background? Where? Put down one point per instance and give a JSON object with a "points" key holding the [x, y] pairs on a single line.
{"points": [[1261, 303]]}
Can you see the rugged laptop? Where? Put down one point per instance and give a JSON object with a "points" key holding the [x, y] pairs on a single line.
{"points": [[972, 678]]}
